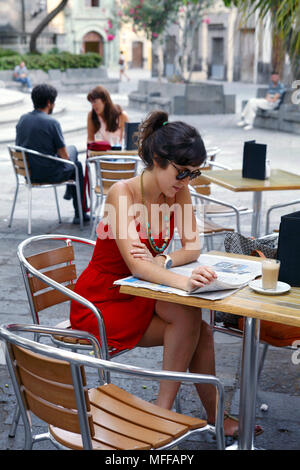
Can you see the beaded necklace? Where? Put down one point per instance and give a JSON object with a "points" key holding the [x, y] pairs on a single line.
{"points": [[166, 218]]}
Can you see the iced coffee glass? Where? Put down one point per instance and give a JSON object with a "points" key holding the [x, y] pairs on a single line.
{"points": [[270, 271]]}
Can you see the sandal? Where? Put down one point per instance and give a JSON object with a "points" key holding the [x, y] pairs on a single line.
{"points": [[230, 438]]}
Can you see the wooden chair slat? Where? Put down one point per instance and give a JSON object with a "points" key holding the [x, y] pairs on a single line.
{"points": [[52, 257], [200, 180], [117, 166], [136, 402], [211, 227], [134, 415], [20, 171], [47, 368], [107, 185], [73, 440], [50, 298], [57, 416], [205, 190], [116, 424], [116, 176], [53, 392], [120, 442], [62, 274], [19, 163]]}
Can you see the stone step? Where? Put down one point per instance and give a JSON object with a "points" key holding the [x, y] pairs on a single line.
{"points": [[10, 98]]}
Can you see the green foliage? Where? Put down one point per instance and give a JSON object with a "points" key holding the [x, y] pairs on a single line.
{"points": [[45, 62], [150, 16], [6, 52]]}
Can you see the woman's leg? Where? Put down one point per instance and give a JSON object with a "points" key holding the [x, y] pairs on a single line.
{"points": [[203, 362], [177, 328], [188, 344]]}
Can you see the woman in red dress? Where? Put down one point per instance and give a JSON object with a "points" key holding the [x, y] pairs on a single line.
{"points": [[140, 215]]}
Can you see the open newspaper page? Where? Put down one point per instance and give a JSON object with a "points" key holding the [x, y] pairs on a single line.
{"points": [[232, 274]]}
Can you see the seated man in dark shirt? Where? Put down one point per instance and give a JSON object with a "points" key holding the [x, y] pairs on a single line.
{"points": [[39, 131]]}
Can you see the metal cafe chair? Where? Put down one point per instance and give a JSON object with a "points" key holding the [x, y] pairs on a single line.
{"points": [[277, 206], [108, 170], [208, 228], [50, 383], [49, 276], [23, 177]]}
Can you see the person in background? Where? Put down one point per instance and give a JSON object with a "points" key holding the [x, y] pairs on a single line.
{"points": [[122, 67], [271, 101], [106, 120], [39, 131], [21, 75]]}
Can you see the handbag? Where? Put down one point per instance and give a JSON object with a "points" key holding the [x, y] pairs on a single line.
{"points": [[237, 243], [99, 146], [289, 249]]}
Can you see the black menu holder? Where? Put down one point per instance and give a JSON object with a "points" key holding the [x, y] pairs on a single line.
{"points": [[289, 249], [254, 160], [131, 135]]}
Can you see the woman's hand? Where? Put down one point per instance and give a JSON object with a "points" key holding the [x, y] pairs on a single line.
{"points": [[141, 251], [200, 277]]}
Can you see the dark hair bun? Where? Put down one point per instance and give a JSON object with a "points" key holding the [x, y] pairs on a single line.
{"points": [[165, 141]]}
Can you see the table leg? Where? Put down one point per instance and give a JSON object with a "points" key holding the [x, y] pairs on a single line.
{"points": [[249, 373], [256, 216]]}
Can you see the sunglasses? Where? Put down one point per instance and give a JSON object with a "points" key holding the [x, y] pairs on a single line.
{"points": [[182, 174]]}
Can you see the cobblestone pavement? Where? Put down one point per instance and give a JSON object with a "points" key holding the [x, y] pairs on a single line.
{"points": [[279, 384]]}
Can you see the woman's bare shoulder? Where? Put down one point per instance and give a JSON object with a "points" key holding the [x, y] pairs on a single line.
{"points": [[124, 188]]}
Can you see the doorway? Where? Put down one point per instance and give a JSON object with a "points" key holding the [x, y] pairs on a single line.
{"points": [[137, 55], [247, 55], [93, 42]]}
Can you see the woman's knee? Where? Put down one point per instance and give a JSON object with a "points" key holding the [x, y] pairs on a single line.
{"points": [[187, 318]]}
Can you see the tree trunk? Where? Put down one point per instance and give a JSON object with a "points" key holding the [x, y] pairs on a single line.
{"points": [[42, 25]]}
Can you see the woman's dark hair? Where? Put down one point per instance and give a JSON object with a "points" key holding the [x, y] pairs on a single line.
{"points": [[41, 94], [112, 112], [175, 141]]}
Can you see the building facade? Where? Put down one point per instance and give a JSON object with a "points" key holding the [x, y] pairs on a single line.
{"points": [[83, 26]]}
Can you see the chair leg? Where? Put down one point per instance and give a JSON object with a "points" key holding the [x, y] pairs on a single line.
{"points": [[97, 214], [57, 205], [15, 421], [29, 209], [13, 206], [79, 204]]}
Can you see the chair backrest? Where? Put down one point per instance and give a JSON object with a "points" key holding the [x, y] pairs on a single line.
{"points": [[113, 171], [52, 389], [20, 162], [56, 264]]}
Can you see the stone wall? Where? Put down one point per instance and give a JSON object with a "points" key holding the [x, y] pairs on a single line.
{"points": [[71, 80], [182, 98]]}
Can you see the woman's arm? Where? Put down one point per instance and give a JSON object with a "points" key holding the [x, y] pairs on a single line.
{"points": [[90, 128], [119, 201], [188, 231], [123, 118]]}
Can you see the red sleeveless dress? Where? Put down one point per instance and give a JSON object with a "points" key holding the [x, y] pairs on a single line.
{"points": [[126, 317]]}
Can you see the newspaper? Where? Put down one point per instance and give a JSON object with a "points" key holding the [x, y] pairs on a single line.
{"points": [[232, 274]]}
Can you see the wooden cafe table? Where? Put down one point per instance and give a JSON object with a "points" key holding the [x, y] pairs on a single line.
{"points": [[279, 180], [254, 307]]}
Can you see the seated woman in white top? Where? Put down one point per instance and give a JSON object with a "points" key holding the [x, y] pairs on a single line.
{"points": [[106, 121]]}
